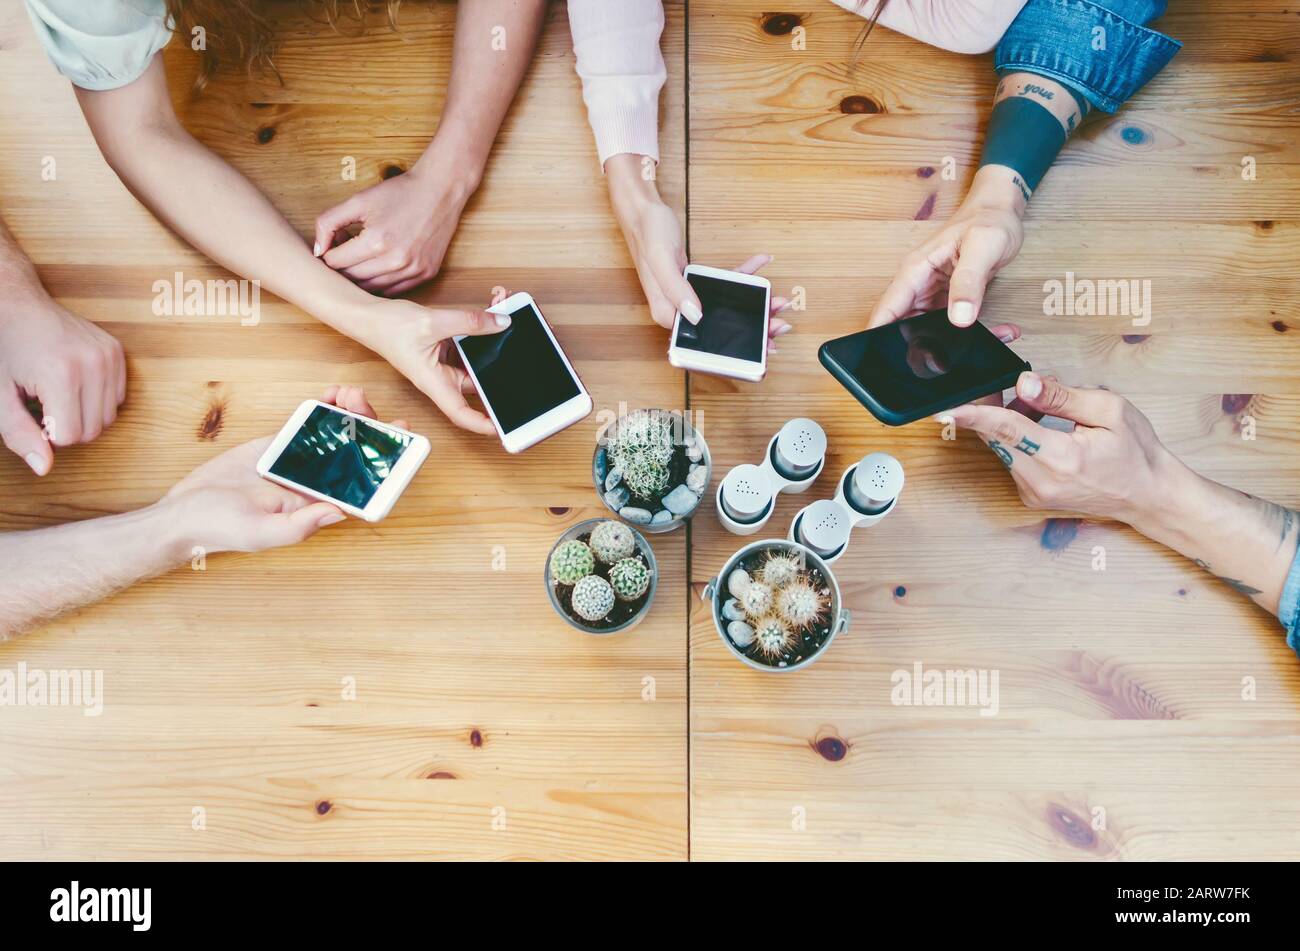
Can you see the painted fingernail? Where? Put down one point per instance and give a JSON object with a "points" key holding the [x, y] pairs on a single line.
{"points": [[315, 249], [962, 313], [691, 311], [782, 331], [330, 519], [1030, 385], [37, 463], [503, 320]]}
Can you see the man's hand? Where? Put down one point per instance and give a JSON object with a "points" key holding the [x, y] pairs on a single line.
{"points": [[74, 370], [418, 342], [954, 266], [406, 224], [224, 505], [1112, 465], [654, 237]]}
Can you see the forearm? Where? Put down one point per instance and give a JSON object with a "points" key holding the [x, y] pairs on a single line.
{"points": [[631, 186], [213, 207], [49, 571], [1033, 117], [494, 45], [1246, 542], [19, 282]]}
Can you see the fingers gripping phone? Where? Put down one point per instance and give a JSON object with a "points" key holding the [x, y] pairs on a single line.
{"points": [[359, 464], [525, 380], [910, 369], [731, 337]]}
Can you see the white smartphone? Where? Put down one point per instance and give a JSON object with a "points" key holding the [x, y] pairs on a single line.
{"points": [[731, 338], [357, 463], [528, 385]]}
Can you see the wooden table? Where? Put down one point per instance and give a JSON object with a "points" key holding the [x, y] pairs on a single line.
{"points": [[482, 726]]}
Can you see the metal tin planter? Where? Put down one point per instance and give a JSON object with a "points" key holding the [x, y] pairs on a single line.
{"points": [[715, 592]]}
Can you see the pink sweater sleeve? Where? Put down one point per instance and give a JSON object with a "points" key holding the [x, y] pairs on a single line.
{"points": [[962, 26], [616, 43]]}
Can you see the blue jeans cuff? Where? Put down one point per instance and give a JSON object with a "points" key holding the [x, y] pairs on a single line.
{"points": [[1059, 39], [1288, 609]]}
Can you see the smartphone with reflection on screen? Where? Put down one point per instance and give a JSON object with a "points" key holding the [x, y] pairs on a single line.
{"points": [[359, 464]]}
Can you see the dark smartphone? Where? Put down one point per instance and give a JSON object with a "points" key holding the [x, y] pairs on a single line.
{"points": [[917, 367]]}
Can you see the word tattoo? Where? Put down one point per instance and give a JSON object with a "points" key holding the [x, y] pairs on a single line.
{"points": [[1238, 586], [1024, 189], [1028, 446], [1034, 90], [1001, 452]]}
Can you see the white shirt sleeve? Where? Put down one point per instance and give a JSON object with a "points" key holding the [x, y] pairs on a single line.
{"points": [[100, 44], [962, 26], [616, 43]]}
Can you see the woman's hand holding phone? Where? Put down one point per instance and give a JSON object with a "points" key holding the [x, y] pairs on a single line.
{"points": [[417, 341], [224, 505], [953, 267], [654, 238]]}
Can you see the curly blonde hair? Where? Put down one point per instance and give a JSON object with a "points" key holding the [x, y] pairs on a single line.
{"points": [[241, 31]]}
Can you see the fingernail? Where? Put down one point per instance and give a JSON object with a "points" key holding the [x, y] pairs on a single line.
{"points": [[771, 349], [503, 320], [1030, 385], [691, 312], [782, 331], [331, 519], [1006, 336], [37, 463], [315, 249], [962, 313]]}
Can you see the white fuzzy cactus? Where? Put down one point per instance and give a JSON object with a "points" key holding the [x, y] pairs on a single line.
{"points": [[800, 604], [756, 599], [780, 569], [593, 598], [773, 637]]}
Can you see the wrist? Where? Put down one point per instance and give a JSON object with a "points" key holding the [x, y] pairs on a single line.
{"points": [[1172, 499], [630, 188], [450, 168], [998, 187]]}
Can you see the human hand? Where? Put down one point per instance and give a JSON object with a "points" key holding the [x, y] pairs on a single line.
{"points": [[224, 505], [1112, 465], [76, 372], [953, 266], [654, 238], [417, 341], [407, 222]]}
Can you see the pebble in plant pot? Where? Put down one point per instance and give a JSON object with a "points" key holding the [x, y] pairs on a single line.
{"points": [[732, 611], [637, 516], [741, 634], [572, 562], [593, 598], [737, 582], [629, 578], [612, 541]]}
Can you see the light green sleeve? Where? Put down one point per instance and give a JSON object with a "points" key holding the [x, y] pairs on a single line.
{"points": [[100, 44]]}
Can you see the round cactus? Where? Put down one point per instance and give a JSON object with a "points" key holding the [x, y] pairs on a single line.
{"points": [[756, 599], [800, 604], [773, 637], [612, 541], [572, 562], [593, 598], [630, 578], [780, 569]]}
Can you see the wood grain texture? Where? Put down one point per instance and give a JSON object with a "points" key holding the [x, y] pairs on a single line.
{"points": [[1121, 731], [224, 688], [1120, 690]]}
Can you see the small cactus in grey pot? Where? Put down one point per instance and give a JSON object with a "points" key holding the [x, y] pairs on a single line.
{"points": [[629, 578], [572, 562], [593, 598]]}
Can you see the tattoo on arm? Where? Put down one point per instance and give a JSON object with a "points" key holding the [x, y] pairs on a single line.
{"points": [[1028, 446], [1238, 586], [1001, 452], [1024, 189]]}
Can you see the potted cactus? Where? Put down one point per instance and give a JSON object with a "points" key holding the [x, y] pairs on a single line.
{"points": [[651, 468], [600, 576], [776, 605]]}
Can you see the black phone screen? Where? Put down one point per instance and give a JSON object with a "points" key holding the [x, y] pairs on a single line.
{"points": [[734, 322], [340, 456], [913, 364], [519, 370]]}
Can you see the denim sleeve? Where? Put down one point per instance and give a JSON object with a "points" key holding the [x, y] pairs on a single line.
{"points": [[1102, 50], [1288, 610]]}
